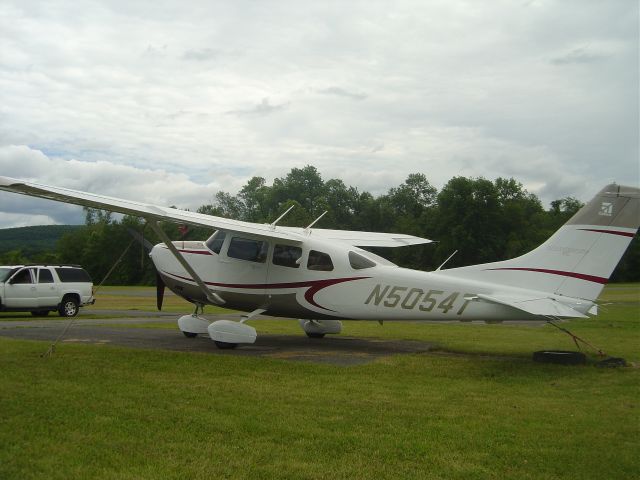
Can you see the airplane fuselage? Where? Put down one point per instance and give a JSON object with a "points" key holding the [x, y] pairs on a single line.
{"points": [[341, 289]]}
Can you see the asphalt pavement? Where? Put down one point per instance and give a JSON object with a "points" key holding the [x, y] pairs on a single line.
{"points": [[333, 349]]}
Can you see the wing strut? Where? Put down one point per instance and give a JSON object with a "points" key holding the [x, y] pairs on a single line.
{"points": [[211, 296]]}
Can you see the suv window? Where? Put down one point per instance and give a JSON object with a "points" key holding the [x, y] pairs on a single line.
{"points": [[286, 256], [248, 249], [5, 273], [319, 261], [45, 276], [68, 275], [23, 276]]}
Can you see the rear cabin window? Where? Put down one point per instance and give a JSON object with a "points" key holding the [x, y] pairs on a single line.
{"points": [[248, 249], [358, 262], [69, 275], [319, 261], [45, 276], [215, 241], [287, 256]]}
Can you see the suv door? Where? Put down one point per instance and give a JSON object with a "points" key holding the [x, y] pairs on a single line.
{"points": [[47, 289], [20, 291]]}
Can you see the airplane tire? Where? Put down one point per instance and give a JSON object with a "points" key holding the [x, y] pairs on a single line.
{"points": [[560, 357], [225, 345], [190, 334], [315, 335]]}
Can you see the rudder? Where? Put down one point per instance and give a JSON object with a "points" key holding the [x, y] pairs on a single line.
{"points": [[578, 259]]}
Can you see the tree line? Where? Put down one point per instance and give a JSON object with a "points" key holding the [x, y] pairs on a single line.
{"points": [[483, 220]]}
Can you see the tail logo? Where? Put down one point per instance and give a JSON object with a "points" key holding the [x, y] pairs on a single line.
{"points": [[606, 209]]}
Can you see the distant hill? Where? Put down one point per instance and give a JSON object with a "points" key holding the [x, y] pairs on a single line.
{"points": [[32, 240]]}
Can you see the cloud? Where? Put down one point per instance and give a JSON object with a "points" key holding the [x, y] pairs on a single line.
{"points": [[262, 108], [201, 54], [187, 101], [14, 220], [579, 55], [156, 187], [341, 92]]}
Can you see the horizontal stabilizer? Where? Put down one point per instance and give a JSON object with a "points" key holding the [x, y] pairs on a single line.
{"points": [[547, 307]]}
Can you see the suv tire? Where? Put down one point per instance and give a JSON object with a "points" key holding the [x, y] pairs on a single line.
{"points": [[68, 307]]}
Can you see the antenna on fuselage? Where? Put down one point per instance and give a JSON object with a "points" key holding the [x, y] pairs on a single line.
{"points": [[443, 263], [307, 229], [273, 225]]}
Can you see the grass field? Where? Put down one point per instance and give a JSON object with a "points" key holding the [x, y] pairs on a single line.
{"points": [[477, 408]]}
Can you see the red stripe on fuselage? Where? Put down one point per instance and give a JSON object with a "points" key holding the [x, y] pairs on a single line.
{"points": [[196, 252], [610, 232], [580, 276], [314, 286]]}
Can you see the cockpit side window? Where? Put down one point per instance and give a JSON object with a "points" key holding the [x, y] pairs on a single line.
{"points": [[359, 262], [248, 249], [319, 261], [215, 241], [287, 256]]}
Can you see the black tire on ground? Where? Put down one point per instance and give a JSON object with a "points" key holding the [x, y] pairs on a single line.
{"points": [[560, 357], [40, 313], [315, 335], [68, 307], [225, 345], [612, 362], [190, 334]]}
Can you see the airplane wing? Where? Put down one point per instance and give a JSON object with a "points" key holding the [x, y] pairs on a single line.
{"points": [[139, 209], [154, 212], [362, 239], [544, 306]]}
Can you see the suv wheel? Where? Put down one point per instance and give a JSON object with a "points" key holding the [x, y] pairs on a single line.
{"points": [[68, 307]]}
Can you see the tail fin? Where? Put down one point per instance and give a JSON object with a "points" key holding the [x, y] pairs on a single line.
{"points": [[579, 258]]}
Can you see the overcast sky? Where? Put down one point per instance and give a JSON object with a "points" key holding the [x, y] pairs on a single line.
{"points": [[168, 102]]}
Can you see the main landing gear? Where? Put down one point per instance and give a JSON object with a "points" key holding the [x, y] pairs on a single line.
{"points": [[319, 328], [226, 334]]}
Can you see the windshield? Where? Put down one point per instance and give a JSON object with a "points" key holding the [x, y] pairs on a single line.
{"points": [[215, 241], [5, 273]]}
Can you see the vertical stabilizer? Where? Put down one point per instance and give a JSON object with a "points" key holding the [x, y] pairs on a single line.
{"points": [[579, 258]]}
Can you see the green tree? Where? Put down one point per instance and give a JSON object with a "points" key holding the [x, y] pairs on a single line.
{"points": [[468, 213], [256, 199]]}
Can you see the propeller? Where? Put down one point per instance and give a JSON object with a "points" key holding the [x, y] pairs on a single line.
{"points": [[159, 291]]}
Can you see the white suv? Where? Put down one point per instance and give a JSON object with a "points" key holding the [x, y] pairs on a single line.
{"points": [[41, 289]]}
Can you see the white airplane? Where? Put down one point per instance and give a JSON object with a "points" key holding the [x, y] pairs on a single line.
{"points": [[321, 276]]}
